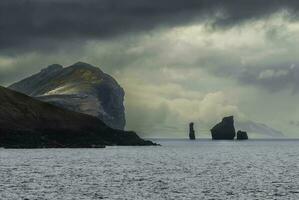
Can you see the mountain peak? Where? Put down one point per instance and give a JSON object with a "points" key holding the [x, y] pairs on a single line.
{"points": [[80, 87], [81, 64], [53, 67], [85, 66]]}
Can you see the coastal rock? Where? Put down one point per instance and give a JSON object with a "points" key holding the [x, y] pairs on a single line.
{"points": [[242, 135], [26, 122], [191, 131], [80, 87], [225, 130]]}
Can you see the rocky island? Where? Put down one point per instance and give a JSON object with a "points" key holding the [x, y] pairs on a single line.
{"points": [[225, 130], [242, 135], [80, 87], [26, 122]]}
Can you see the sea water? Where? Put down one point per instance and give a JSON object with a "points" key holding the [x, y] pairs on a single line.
{"points": [[179, 169]]}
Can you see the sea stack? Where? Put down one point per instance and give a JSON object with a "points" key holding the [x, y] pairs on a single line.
{"points": [[242, 135], [191, 131], [225, 130]]}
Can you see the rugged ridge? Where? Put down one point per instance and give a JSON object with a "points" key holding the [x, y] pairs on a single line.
{"points": [[80, 87], [26, 122]]}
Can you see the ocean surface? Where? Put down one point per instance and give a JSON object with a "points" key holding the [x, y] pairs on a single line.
{"points": [[179, 169]]}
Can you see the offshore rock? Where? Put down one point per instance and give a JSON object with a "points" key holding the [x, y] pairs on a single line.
{"points": [[80, 87], [191, 131], [242, 135], [225, 130], [26, 122]]}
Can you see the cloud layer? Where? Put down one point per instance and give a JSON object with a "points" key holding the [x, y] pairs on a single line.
{"points": [[46, 23]]}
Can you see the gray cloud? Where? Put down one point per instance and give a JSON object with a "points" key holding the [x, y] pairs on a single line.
{"points": [[46, 23], [294, 123], [273, 78]]}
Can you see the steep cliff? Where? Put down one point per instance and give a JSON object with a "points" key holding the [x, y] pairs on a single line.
{"points": [[80, 87]]}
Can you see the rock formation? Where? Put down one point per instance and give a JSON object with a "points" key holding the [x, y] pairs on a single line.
{"points": [[191, 131], [242, 135], [225, 130], [26, 122], [81, 88]]}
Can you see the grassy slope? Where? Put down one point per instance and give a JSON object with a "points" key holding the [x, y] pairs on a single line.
{"points": [[27, 122]]}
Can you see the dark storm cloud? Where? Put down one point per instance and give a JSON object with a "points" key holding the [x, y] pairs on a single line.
{"points": [[34, 23]]}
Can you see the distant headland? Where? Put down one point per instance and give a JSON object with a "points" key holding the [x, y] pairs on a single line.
{"points": [[73, 107]]}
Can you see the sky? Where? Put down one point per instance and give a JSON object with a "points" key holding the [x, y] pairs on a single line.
{"points": [[178, 61]]}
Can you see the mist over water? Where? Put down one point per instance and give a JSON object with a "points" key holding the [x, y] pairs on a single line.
{"points": [[179, 169]]}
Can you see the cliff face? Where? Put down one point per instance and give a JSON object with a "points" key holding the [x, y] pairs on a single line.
{"points": [[29, 123], [80, 87], [225, 130]]}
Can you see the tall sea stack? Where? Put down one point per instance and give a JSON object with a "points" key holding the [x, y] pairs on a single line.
{"points": [[191, 131], [225, 130]]}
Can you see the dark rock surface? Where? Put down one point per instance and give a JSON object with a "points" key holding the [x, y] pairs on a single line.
{"points": [[80, 87], [29, 123], [225, 130], [191, 131], [242, 135]]}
